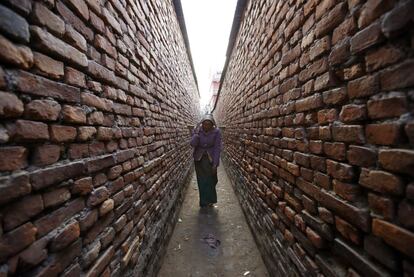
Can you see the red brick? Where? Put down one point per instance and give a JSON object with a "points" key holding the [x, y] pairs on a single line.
{"points": [[314, 69], [364, 86], [345, 29], [331, 20], [75, 77], [75, 38], [325, 215], [366, 38], [347, 230], [17, 55], [341, 171], [382, 57], [94, 101], [320, 47], [82, 186], [335, 150], [10, 105], [46, 154], [60, 133], [383, 206], [18, 239], [340, 52], [80, 8], [395, 20], [56, 197], [25, 130], [12, 187], [394, 235], [22, 211], [308, 103], [86, 133], [348, 191], [73, 114], [78, 151], [46, 177], [353, 112], [97, 22], [335, 96], [101, 263], [391, 106], [106, 207], [45, 17], [405, 214], [372, 10], [384, 134], [98, 196], [103, 44], [42, 110], [348, 133], [57, 47], [327, 116], [101, 73], [65, 236], [95, 118], [397, 160], [361, 156], [16, 158], [398, 77], [47, 66], [314, 237], [88, 219], [381, 181], [36, 85]]}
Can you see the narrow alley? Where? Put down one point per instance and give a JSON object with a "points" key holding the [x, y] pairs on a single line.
{"points": [[314, 109], [231, 250]]}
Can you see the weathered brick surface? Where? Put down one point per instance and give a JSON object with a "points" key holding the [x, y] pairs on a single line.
{"points": [[95, 102], [316, 107]]}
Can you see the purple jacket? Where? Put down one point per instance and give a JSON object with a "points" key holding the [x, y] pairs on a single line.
{"points": [[210, 142]]}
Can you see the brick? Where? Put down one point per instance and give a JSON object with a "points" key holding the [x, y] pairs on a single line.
{"points": [[16, 158], [106, 207], [22, 211], [48, 110], [327, 116], [57, 47], [25, 130], [17, 55], [341, 171], [334, 96], [347, 230], [47, 66], [352, 113], [316, 240], [10, 105], [101, 73], [340, 53], [314, 69], [397, 160], [73, 114], [346, 29], [382, 206], [309, 103], [101, 263], [382, 252], [75, 77], [91, 254], [372, 10], [76, 39], [357, 259], [14, 25], [348, 133], [383, 134], [14, 186], [78, 151], [331, 21], [366, 38], [335, 150], [391, 106], [381, 181], [347, 191], [86, 133], [95, 101], [34, 254], [72, 19], [103, 44], [361, 156], [46, 177], [45, 17], [320, 47], [46, 155], [405, 212], [18, 239], [56, 197], [82, 186], [95, 118], [394, 235], [98, 196], [60, 133], [395, 20], [80, 8], [382, 57], [88, 219], [398, 77], [65, 236], [364, 86], [110, 19], [36, 85]]}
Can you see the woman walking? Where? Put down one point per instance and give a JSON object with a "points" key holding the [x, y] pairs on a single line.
{"points": [[206, 141]]}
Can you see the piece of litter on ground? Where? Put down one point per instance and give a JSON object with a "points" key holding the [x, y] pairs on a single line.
{"points": [[180, 220], [211, 241], [246, 273], [186, 238], [178, 247]]}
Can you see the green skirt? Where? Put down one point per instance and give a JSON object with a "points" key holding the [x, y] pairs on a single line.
{"points": [[207, 181]]}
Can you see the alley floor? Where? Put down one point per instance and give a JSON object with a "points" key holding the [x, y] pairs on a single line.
{"points": [[212, 242]]}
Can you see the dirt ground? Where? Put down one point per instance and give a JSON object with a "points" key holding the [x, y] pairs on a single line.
{"points": [[212, 242]]}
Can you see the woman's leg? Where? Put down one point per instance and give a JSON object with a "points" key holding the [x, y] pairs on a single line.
{"points": [[206, 180]]}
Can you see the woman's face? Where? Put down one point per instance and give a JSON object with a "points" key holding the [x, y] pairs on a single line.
{"points": [[207, 125]]}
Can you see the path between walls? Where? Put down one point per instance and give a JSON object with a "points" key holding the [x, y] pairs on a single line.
{"points": [[211, 242]]}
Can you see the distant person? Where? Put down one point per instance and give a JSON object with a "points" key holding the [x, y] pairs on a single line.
{"points": [[206, 141]]}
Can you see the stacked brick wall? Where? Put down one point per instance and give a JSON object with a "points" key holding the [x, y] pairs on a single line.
{"points": [[95, 100], [316, 107]]}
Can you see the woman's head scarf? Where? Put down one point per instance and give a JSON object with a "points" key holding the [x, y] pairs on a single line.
{"points": [[210, 118]]}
